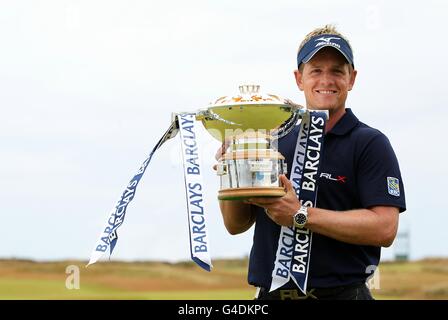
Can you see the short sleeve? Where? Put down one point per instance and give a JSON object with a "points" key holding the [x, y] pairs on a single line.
{"points": [[378, 174]]}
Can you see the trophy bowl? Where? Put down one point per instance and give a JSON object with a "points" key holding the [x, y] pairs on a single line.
{"points": [[249, 125]]}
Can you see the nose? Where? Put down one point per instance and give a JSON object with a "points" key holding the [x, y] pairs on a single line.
{"points": [[326, 78]]}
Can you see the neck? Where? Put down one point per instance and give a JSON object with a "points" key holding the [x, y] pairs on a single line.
{"points": [[334, 117]]}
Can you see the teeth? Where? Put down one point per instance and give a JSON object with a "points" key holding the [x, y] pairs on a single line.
{"points": [[326, 91]]}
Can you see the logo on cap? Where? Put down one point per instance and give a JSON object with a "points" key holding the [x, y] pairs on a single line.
{"points": [[327, 41]]}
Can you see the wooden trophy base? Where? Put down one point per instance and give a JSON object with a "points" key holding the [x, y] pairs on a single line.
{"points": [[244, 193]]}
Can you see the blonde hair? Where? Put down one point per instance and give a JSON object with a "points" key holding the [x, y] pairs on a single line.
{"points": [[327, 29]]}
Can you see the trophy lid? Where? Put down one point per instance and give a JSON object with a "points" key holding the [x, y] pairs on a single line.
{"points": [[250, 109], [248, 94]]}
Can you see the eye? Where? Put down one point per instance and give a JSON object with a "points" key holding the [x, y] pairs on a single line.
{"points": [[315, 71], [339, 71]]}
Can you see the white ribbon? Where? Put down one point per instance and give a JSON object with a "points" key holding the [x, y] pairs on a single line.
{"points": [[281, 273], [108, 237], [194, 186], [294, 245]]}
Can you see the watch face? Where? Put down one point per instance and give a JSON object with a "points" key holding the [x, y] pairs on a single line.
{"points": [[300, 218]]}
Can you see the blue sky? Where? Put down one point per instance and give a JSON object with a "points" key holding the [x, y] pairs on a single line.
{"points": [[88, 87]]}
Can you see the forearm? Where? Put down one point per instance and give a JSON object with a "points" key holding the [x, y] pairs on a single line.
{"points": [[238, 216], [376, 227]]}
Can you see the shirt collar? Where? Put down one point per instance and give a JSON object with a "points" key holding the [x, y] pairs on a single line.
{"points": [[345, 124]]}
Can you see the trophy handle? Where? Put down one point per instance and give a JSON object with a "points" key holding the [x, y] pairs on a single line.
{"points": [[289, 124]]}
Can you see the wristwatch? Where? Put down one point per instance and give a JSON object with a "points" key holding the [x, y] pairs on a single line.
{"points": [[301, 217]]}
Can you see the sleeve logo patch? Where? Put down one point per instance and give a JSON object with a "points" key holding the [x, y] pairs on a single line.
{"points": [[393, 186]]}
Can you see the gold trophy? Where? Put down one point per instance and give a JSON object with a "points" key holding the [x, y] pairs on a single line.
{"points": [[249, 125]]}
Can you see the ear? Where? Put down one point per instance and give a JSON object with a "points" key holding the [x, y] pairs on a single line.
{"points": [[352, 79], [298, 75]]}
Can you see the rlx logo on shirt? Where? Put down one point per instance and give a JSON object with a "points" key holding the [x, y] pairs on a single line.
{"points": [[340, 179]]}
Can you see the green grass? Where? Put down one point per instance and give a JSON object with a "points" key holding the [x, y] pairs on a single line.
{"points": [[424, 279], [11, 289], [30, 289], [20, 279]]}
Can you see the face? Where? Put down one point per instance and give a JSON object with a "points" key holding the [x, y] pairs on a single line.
{"points": [[326, 80]]}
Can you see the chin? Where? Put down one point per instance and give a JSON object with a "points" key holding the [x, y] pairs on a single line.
{"points": [[321, 107]]}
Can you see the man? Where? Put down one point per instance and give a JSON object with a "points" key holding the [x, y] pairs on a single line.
{"points": [[360, 190]]}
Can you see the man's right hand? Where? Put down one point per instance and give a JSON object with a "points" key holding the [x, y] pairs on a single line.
{"points": [[221, 151]]}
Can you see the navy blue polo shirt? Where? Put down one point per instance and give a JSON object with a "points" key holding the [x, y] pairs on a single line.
{"points": [[359, 169]]}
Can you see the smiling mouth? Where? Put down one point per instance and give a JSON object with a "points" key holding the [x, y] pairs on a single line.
{"points": [[326, 91]]}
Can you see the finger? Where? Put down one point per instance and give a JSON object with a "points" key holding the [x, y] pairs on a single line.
{"points": [[286, 183], [266, 210], [219, 153], [222, 150]]}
